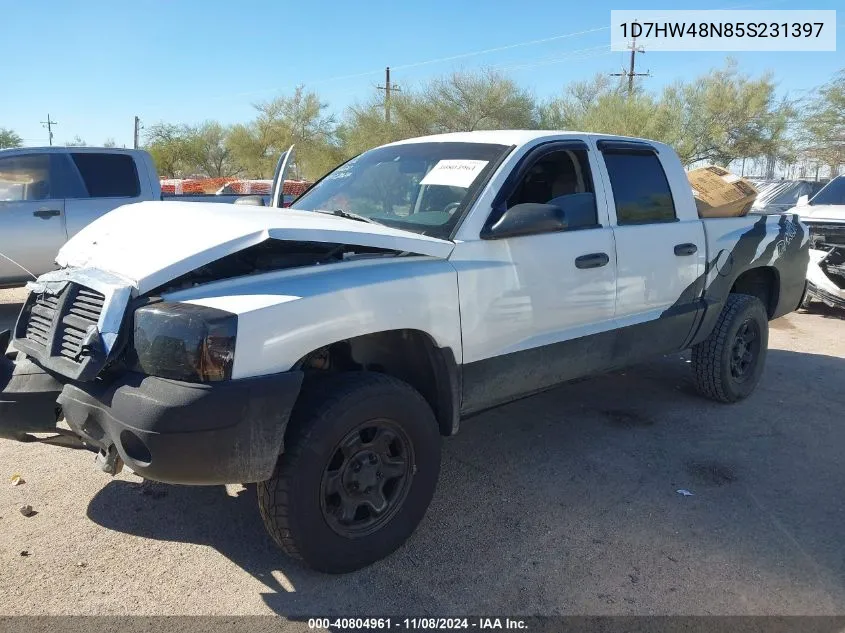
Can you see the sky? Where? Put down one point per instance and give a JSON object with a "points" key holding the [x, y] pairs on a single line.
{"points": [[93, 65]]}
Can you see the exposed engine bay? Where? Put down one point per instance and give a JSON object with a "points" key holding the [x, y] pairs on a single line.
{"points": [[826, 271], [272, 255]]}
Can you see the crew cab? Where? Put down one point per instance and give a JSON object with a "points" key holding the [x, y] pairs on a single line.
{"points": [[323, 350]]}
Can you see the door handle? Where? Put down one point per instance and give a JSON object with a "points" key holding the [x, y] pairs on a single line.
{"points": [[685, 249], [46, 213], [593, 260]]}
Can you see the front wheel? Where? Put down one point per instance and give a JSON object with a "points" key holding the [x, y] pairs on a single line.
{"points": [[728, 364], [358, 473]]}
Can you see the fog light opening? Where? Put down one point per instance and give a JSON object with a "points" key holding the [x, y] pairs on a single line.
{"points": [[135, 449]]}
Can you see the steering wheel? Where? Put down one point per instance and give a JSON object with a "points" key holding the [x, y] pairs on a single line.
{"points": [[451, 207]]}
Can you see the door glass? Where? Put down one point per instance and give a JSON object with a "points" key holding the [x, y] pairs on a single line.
{"points": [[108, 175], [25, 178], [640, 189], [563, 179]]}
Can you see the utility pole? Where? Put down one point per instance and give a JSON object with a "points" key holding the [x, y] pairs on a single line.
{"points": [[49, 125], [137, 132], [387, 87], [630, 73]]}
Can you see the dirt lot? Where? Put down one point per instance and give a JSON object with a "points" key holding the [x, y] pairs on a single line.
{"points": [[565, 503]]}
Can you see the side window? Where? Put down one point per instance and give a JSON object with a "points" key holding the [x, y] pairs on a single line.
{"points": [[24, 178], [561, 178], [640, 188], [107, 175]]}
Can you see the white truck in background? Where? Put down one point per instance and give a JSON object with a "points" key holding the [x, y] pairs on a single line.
{"points": [[824, 215], [48, 194]]}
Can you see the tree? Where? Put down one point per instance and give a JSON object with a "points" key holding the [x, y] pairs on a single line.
{"points": [[210, 151], [171, 149], [823, 124], [9, 138], [460, 102], [603, 105], [109, 142], [299, 120], [725, 115], [76, 142]]}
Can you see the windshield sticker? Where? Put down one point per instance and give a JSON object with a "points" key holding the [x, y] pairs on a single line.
{"points": [[454, 173]]}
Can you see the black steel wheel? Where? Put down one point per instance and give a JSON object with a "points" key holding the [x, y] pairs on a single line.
{"points": [[728, 364], [745, 350], [361, 462], [367, 478]]}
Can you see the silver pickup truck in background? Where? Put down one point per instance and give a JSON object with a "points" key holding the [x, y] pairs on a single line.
{"points": [[48, 194]]}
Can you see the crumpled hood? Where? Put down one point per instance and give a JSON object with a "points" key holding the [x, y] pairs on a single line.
{"points": [[150, 243], [821, 212]]}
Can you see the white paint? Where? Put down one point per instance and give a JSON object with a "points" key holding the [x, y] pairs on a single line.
{"points": [[153, 242], [480, 298], [454, 173], [282, 316]]}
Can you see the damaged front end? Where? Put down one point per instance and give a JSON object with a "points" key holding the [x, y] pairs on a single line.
{"points": [[826, 270], [67, 332]]}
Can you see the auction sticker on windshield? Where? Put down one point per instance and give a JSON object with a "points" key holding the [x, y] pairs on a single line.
{"points": [[454, 173]]}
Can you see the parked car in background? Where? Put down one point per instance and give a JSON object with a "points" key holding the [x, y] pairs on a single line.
{"points": [[779, 196], [322, 351], [47, 194], [824, 214]]}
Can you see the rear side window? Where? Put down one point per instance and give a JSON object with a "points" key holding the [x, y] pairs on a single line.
{"points": [[108, 175], [25, 178], [640, 188]]}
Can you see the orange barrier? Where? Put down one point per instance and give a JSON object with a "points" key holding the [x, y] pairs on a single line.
{"points": [[235, 186]]}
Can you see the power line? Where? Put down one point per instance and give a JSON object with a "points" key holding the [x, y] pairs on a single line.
{"points": [[137, 132], [630, 74], [427, 62], [49, 125], [387, 87]]}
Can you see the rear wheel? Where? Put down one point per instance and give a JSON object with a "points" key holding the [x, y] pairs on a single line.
{"points": [[728, 364], [359, 470]]}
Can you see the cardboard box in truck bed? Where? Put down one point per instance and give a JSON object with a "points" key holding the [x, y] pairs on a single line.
{"points": [[719, 193]]}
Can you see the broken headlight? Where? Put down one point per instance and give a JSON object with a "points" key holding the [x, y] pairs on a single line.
{"points": [[184, 342]]}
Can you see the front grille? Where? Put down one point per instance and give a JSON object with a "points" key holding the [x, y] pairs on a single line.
{"points": [[41, 318], [81, 312], [57, 324]]}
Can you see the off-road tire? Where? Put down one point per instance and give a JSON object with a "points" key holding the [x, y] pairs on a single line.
{"points": [[328, 409], [711, 359]]}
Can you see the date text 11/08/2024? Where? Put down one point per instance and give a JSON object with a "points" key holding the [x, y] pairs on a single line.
{"points": [[435, 624]]}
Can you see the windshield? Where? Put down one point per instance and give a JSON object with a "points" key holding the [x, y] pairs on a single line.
{"points": [[832, 193], [419, 187]]}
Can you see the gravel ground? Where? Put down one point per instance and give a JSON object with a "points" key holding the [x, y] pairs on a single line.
{"points": [[564, 503]]}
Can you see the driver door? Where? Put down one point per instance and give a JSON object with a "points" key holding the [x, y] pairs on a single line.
{"points": [[538, 309]]}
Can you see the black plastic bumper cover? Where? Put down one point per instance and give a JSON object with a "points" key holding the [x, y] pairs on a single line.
{"points": [[27, 399], [187, 433]]}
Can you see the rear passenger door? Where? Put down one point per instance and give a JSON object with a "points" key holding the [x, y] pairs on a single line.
{"points": [[31, 215], [659, 255], [103, 182]]}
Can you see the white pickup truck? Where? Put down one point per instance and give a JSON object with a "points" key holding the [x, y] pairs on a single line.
{"points": [[323, 350]]}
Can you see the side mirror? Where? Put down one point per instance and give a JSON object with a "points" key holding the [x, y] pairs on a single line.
{"points": [[528, 218], [256, 201], [803, 201]]}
